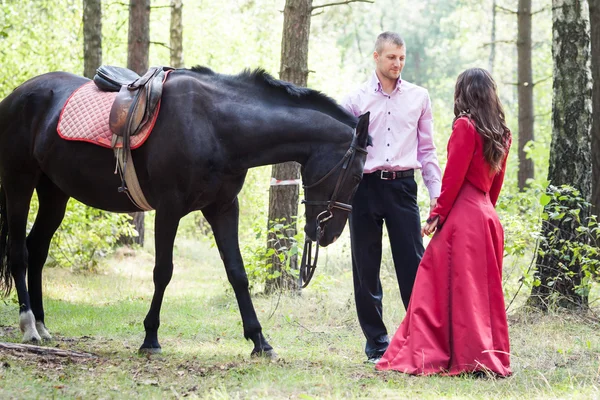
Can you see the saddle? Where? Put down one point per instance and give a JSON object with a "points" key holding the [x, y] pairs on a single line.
{"points": [[134, 106], [137, 98]]}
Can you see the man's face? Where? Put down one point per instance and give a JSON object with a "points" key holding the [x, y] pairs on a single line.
{"points": [[390, 61]]}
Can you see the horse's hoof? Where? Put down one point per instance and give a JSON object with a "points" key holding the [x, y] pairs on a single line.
{"points": [[27, 325], [268, 354], [148, 351], [41, 328], [32, 338]]}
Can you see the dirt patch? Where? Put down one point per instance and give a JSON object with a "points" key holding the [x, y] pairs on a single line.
{"points": [[8, 331]]}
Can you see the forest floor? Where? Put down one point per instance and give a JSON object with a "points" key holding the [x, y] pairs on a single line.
{"points": [[316, 336]]}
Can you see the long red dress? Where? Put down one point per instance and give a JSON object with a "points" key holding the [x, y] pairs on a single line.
{"points": [[456, 320]]}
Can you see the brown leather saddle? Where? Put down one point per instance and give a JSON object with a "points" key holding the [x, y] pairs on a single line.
{"points": [[134, 106], [137, 99]]}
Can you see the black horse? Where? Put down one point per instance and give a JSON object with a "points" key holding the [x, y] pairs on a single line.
{"points": [[211, 129]]}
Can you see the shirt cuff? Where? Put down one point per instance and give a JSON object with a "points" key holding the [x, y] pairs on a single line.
{"points": [[432, 218]]}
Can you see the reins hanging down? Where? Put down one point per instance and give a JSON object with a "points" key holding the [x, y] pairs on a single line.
{"points": [[308, 264]]}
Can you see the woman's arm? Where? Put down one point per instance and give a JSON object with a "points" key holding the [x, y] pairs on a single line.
{"points": [[499, 178], [460, 152]]}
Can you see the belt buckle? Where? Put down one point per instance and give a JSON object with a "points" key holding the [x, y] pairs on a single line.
{"points": [[387, 175]]}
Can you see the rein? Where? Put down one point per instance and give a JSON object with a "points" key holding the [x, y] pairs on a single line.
{"points": [[308, 264]]}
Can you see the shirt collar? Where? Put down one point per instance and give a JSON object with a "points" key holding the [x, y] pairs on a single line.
{"points": [[375, 84]]}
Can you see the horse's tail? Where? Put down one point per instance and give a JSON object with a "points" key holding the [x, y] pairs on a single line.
{"points": [[5, 276]]}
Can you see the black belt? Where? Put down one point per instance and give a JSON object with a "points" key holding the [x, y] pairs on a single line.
{"points": [[389, 175]]}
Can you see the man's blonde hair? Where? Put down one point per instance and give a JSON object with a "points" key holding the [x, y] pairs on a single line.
{"points": [[388, 37]]}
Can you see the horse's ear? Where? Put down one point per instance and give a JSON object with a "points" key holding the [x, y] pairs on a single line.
{"points": [[362, 130]]}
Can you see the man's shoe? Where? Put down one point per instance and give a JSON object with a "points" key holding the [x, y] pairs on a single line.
{"points": [[373, 360]]}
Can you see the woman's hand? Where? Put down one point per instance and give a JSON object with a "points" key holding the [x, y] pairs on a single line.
{"points": [[429, 227]]}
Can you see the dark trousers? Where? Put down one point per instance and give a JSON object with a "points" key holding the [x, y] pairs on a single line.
{"points": [[395, 202]]}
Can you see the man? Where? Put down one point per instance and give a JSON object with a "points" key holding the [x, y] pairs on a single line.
{"points": [[402, 130]]}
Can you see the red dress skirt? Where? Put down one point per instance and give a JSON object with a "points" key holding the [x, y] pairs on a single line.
{"points": [[456, 321]]}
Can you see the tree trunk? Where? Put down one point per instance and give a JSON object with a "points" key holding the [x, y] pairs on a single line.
{"points": [[595, 39], [492, 40], [92, 37], [138, 50], [525, 89], [570, 156], [294, 44], [283, 200], [138, 43], [176, 34]]}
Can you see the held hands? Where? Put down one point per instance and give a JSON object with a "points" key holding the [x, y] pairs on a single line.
{"points": [[429, 227]]}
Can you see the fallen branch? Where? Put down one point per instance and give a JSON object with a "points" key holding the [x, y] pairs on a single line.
{"points": [[45, 350]]}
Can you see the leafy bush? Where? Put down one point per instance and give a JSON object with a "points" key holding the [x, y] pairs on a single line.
{"points": [[520, 215], [85, 236], [571, 242], [553, 225], [284, 246]]}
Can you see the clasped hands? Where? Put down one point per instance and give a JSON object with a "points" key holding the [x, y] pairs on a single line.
{"points": [[430, 227]]}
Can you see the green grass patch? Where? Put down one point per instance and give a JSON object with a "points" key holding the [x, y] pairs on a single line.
{"points": [[316, 336]]}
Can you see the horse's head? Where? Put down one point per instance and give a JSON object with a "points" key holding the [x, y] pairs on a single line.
{"points": [[330, 181]]}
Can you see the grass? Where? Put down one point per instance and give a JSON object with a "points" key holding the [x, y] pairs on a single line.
{"points": [[316, 336]]}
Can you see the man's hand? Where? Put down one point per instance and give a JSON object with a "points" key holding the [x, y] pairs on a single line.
{"points": [[429, 227]]}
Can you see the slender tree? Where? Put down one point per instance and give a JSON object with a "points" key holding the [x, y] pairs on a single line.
{"points": [[92, 37], [138, 42], [493, 39], [137, 60], [570, 151], [283, 199], [525, 91], [595, 46], [176, 34]]}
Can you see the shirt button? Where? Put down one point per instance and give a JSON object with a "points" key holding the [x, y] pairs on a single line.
{"points": [[388, 129], [387, 159], [389, 112], [389, 97], [388, 145]]}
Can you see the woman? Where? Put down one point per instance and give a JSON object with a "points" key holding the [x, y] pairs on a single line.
{"points": [[456, 322]]}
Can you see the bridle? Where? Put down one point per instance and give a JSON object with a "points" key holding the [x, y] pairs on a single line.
{"points": [[308, 267]]}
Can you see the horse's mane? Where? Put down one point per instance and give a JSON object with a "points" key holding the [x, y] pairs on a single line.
{"points": [[307, 98]]}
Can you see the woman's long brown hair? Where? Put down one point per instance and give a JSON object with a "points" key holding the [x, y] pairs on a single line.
{"points": [[476, 97]]}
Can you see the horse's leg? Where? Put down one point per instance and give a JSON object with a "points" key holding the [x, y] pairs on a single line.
{"points": [[18, 197], [224, 222], [166, 224], [52, 205]]}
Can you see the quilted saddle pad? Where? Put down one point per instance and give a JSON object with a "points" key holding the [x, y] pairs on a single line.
{"points": [[84, 117]]}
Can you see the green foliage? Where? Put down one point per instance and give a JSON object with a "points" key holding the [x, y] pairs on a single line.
{"points": [[193, 226], [38, 36], [283, 246], [571, 240], [553, 224], [86, 236], [520, 217]]}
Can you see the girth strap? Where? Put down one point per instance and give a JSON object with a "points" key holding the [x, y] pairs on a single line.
{"points": [[128, 175]]}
